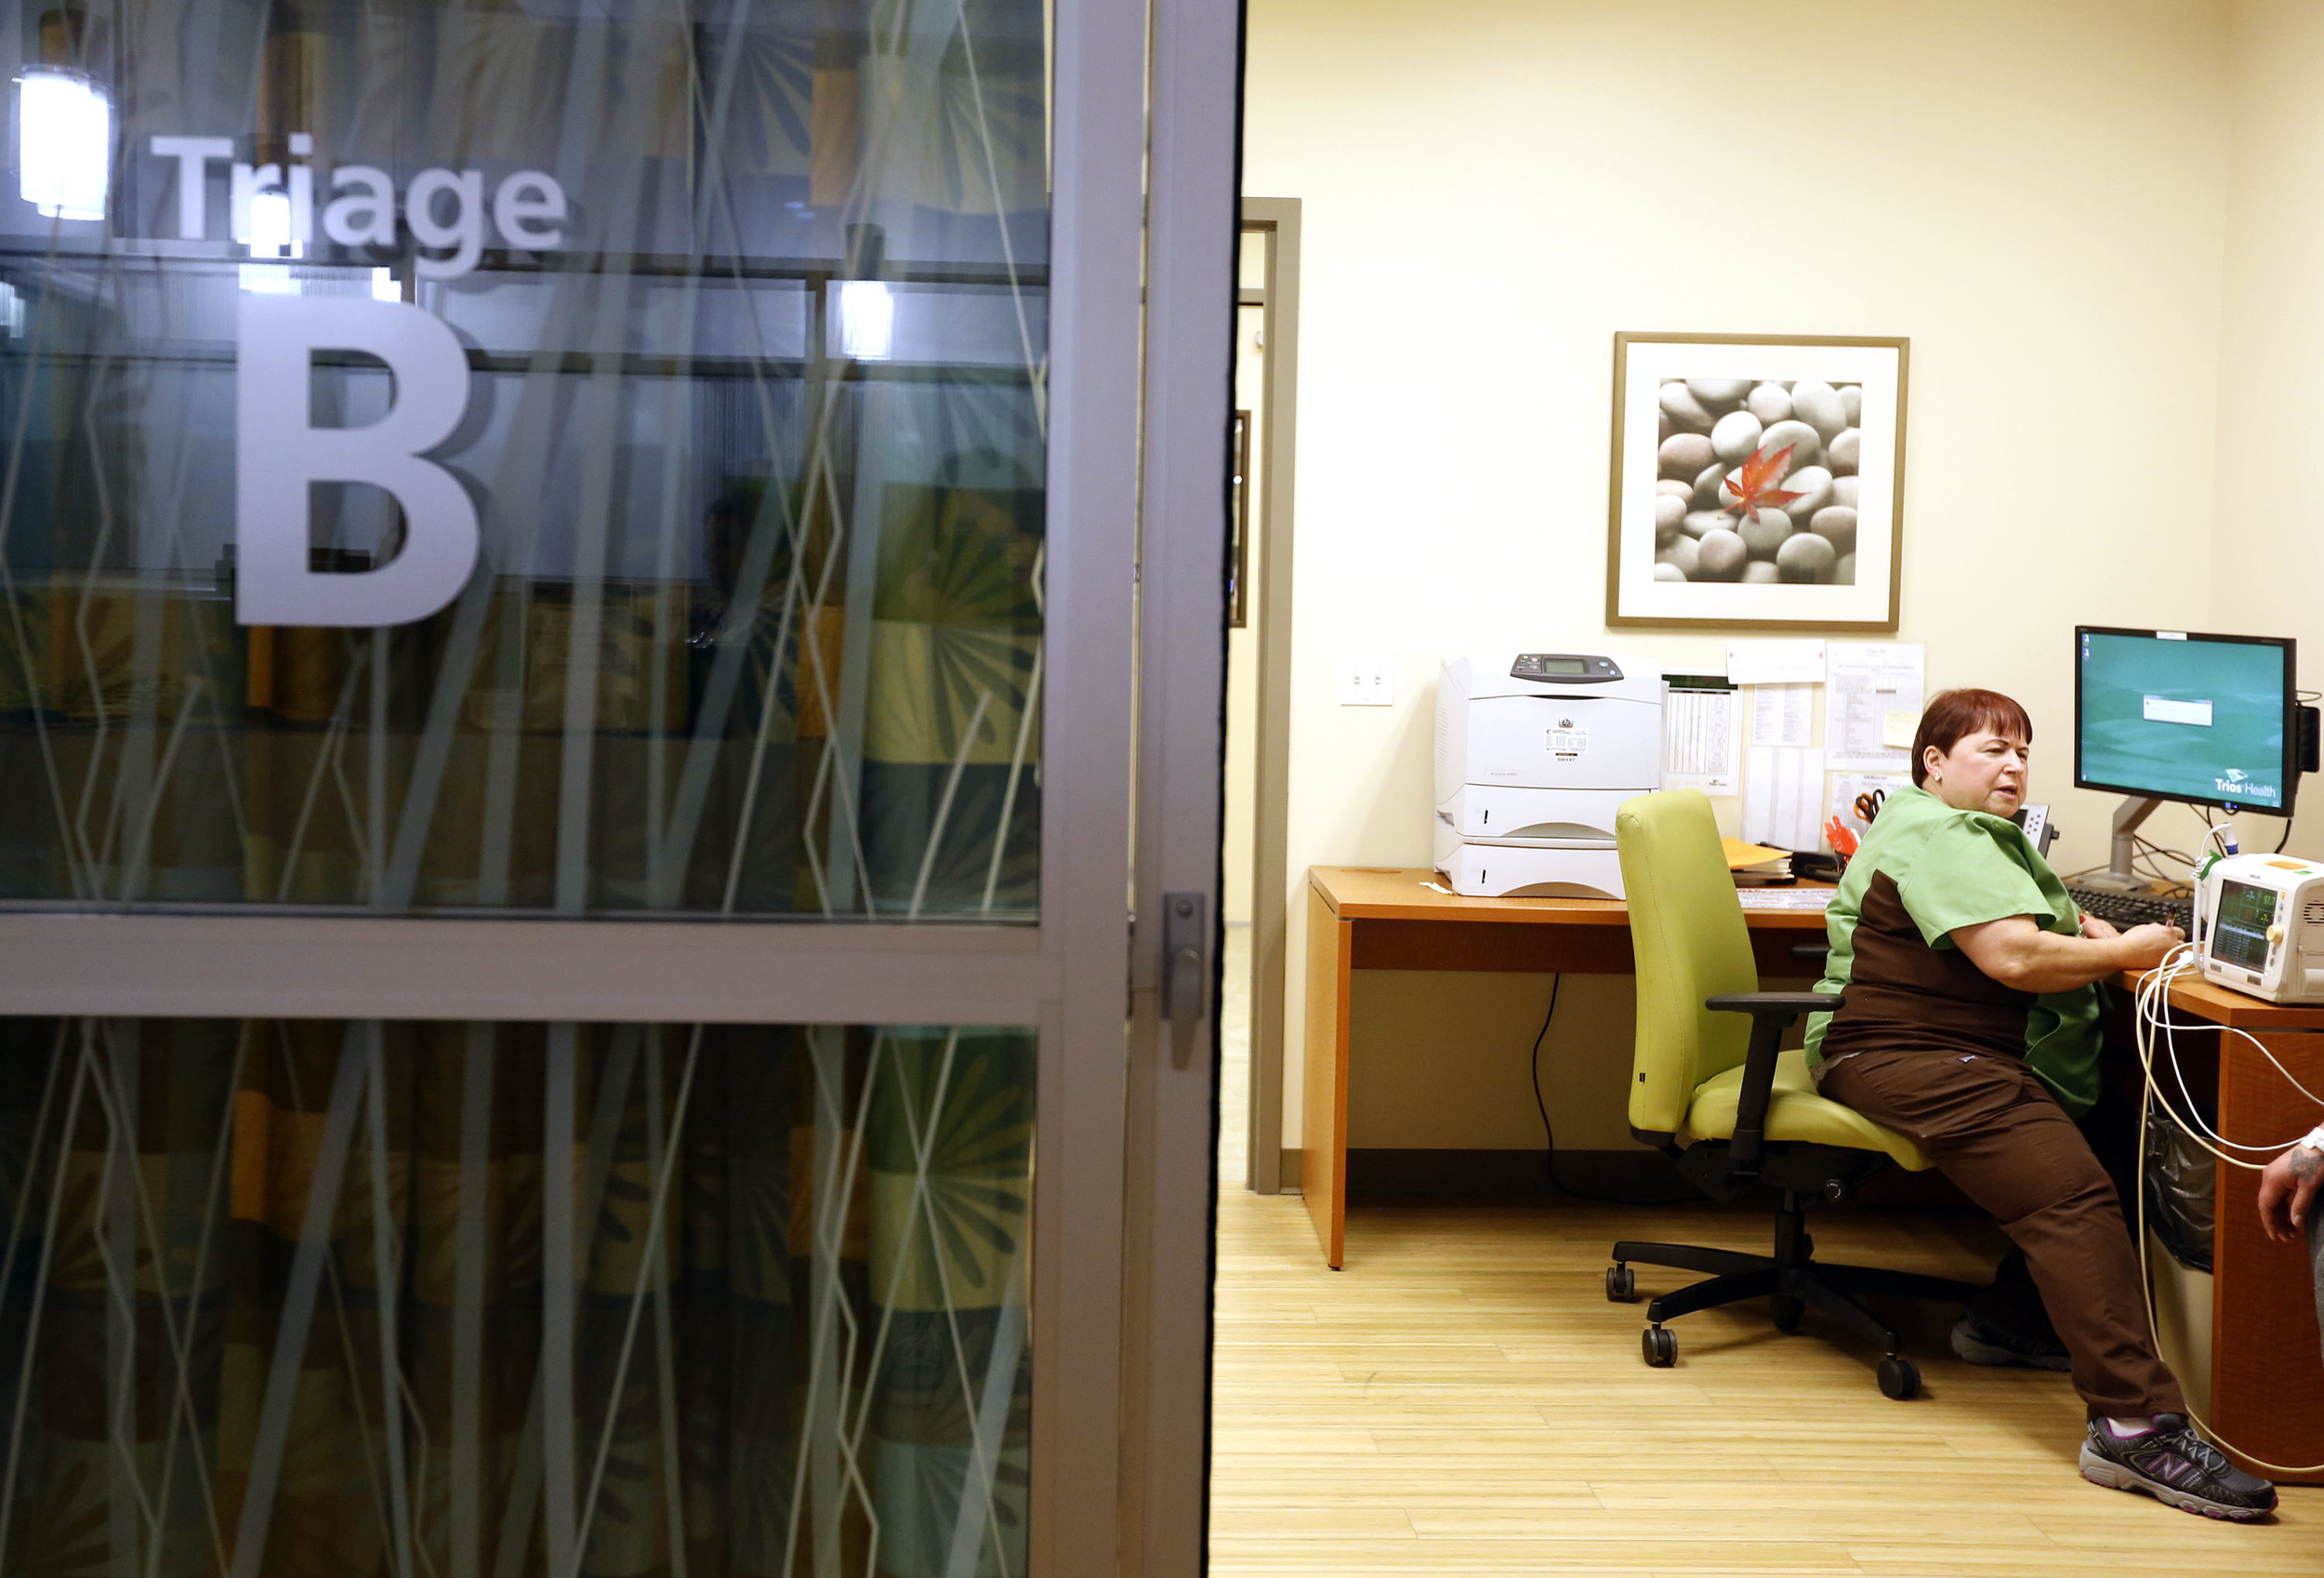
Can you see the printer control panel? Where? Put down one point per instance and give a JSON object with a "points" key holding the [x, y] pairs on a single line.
{"points": [[1564, 668]]}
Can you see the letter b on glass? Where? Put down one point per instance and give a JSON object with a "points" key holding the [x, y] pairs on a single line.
{"points": [[279, 453]]}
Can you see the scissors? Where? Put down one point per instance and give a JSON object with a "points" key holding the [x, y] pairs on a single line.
{"points": [[1869, 805]]}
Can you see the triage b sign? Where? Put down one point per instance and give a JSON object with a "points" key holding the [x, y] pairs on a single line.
{"points": [[279, 452]]}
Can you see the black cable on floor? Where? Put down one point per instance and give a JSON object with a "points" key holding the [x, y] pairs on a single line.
{"points": [[1549, 1132]]}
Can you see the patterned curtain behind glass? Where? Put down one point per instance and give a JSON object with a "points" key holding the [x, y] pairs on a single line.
{"points": [[310, 1300], [757, 626]]}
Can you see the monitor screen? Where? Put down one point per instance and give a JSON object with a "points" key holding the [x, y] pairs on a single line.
{"points": [[2200, 718]]}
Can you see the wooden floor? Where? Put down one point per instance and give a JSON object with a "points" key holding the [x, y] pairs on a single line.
{"points": [[1462, 1398]]}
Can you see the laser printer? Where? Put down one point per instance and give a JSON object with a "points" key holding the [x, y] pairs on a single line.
{"points": [[1535, 751]]}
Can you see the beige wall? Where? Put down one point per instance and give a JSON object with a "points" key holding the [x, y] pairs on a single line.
{"points": [[2035, 194], [2268, 548]]}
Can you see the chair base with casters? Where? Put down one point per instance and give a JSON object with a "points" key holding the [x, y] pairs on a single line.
{"points": [[1725, 1166], [1792, 1279]]}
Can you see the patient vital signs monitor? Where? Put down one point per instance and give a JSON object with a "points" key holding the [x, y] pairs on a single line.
{"points": [[2207, 718]]}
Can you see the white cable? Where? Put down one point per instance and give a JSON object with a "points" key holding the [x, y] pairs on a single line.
{"points": [[2153, 1013], [2146, 1287]]}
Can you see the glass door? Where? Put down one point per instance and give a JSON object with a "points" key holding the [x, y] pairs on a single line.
{"points": [[565, 675]]}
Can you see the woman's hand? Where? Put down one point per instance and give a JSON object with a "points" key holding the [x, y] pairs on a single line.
{"points": [[2143, 947], [2092, 926]]}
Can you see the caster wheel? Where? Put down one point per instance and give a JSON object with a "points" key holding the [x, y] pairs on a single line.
{"points": [[1621, 1284], [1787, 1311], [1662, 1348], [1900, 1377]]}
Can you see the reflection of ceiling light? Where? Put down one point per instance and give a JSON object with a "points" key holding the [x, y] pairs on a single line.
{"points": [[383, 286], [11, 311], [271, 237], [65, 136], [270, 226], [867, 320]]}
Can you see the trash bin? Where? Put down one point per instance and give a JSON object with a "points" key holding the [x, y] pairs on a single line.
{"points": [[2181, 1187]]}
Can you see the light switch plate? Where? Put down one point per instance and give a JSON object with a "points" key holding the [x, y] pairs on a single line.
{"points": [[1368, 678]]}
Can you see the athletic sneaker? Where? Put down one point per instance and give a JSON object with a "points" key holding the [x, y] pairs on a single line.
{"points": [[2173, 1464], [1981, 1342]]}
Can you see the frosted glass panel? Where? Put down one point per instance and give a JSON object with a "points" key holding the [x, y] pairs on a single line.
{"points": [[752, 303], [354, 1300]]}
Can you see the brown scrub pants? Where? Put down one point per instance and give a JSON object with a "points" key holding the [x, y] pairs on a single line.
{"points": [[1995, 1131]]}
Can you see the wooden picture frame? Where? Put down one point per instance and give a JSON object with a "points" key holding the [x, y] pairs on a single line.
{"points": [[1715, 473]]}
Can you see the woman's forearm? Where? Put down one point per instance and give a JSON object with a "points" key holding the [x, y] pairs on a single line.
{"points": [[2054, 964], [2021, 955]]}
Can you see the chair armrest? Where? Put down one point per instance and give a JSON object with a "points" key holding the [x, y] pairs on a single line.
{"points": [[1811, 950], [1771, 1014], [1785, 1005]]}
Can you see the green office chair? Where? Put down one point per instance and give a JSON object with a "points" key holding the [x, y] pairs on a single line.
{"points": [[1714, 1094]]}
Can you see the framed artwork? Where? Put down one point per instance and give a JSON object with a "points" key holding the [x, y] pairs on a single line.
{"points": [[1758, 480]]}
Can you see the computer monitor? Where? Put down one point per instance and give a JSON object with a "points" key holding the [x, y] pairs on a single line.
{"points": [[2168, 715]]}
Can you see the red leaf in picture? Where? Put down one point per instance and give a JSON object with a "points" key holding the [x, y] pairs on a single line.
{"points": [[1754, 484]]}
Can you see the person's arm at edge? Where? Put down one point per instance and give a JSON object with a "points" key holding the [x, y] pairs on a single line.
{"points": [[2287, 1187], [2017, 952]]}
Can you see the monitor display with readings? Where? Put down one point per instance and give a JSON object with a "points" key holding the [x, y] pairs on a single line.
{"points": [[2201, 718]]}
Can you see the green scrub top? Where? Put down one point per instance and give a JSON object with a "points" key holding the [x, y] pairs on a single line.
{"points": [[1955, 869]]}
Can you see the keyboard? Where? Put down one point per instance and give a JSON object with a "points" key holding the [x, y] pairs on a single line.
{"points": [[2124, 910], [1784, 899]]}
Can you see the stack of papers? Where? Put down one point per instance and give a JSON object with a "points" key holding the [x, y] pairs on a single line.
{"points": [[1755, 864]]}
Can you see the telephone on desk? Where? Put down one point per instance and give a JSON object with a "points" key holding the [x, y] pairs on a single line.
{"points": [[2034, 817]]}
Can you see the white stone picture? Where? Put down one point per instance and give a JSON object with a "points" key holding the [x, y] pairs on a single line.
{"points": [[1755, 480]]}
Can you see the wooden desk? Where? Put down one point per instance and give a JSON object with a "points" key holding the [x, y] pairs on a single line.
{"points": [[1377, 918], [2266, 1375]]}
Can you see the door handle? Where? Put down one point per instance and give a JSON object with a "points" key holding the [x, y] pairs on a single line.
{"points": [[1185, 968]]}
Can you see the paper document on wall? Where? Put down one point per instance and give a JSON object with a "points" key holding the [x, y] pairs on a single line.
{"points": [[1783, 797], [1776, 662], [1759, 795], [1874, 685], [1702, 734], [1871, 787], [1783, 714]]}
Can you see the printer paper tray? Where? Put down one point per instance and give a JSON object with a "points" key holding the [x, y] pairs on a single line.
{"points": [[1533, 817]]}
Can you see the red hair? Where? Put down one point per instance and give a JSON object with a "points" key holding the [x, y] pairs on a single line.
{"points": [[1952, 715]]}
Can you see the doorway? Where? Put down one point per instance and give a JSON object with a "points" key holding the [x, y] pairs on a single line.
{"points": [[1254, 895]]}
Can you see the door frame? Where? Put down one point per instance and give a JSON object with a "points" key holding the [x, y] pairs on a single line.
{"points": [[1278, 297], [1171, 1202]]}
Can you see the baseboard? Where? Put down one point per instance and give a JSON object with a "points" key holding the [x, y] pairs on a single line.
{"points": [[1640, 1174], [1512, 1174]]}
